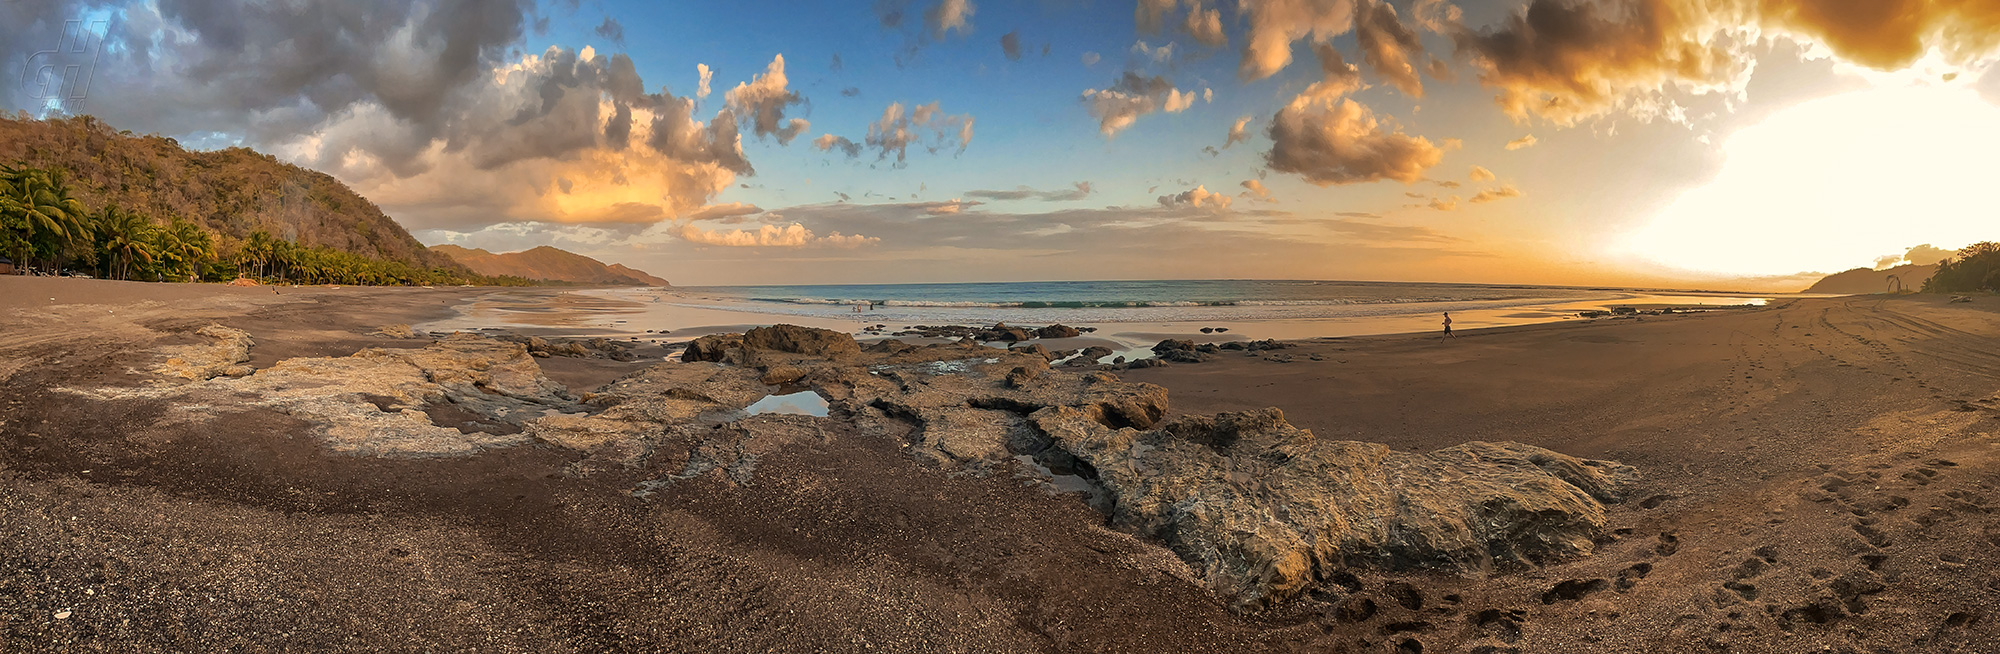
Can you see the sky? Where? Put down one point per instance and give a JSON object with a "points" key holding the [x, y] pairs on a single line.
{"points": [[1749, 144]]}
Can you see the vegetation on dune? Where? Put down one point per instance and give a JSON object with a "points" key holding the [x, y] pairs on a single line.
{"points": [[1974, 268]]}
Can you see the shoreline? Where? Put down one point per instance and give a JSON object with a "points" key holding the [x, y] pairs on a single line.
{"points": [[619, 313]]}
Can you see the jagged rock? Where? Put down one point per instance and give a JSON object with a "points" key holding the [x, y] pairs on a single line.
{"points": [[1020, 376], [379, 402], [784, 374], [713, 347], [809, 341], [1173, 345], [1057, 331], [1090, 355], [1035, 349], [1262, 508], [1004, 332], [397, 331], [225, 354]]}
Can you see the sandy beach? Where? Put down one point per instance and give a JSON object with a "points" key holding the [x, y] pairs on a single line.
{"points": [[1818, 474]]}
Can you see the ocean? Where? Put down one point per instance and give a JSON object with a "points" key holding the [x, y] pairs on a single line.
{"points": [[1221, 301], [1128, 314]]}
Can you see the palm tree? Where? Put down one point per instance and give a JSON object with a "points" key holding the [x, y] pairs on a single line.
{"points": [[126, 240], [256, 251], [40, 213], [183, 248]]}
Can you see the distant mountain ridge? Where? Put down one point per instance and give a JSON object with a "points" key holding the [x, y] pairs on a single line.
{"points": [[1865, 280], [548, 263], [231, 192]]}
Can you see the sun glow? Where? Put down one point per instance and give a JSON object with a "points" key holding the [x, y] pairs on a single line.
{"points": [[1834, 183]]}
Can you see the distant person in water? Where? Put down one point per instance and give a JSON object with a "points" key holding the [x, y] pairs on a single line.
{"points": [[1447, 326]]}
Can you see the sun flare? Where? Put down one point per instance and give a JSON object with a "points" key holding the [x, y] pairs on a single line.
{"points": [[1834, 183]]}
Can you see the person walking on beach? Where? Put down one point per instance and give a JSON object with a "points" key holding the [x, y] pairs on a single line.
{"points": [[1447, 327]]}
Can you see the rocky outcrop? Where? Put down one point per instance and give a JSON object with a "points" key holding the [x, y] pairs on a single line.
{"points": [[578, 348], [1259, 507], [226, 354], [1263, 508], [457, 396], [1057, 331], [809, 341]]}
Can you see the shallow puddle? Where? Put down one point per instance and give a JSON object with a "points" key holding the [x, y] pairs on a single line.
{"points": [[802, 403]]}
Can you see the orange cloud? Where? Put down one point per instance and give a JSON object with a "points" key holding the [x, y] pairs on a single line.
{"points": [[1567, 60], [1341, 142], [1489, 195]]}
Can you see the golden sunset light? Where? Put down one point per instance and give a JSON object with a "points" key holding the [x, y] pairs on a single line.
{"points": [[966, 326]]}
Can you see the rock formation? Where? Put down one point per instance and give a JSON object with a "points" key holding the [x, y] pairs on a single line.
{"points": [[1261, 508]]}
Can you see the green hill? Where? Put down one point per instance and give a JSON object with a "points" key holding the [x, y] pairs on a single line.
{"points": [[550, 264], [232, 192]]}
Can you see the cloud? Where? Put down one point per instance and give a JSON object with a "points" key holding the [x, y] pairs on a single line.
{"points": [[1079, 192], [1132, 96], [1275, 24], [1481, 174], [764, 99], [898, 130], [949, 207], [829, 142], [1523, 142], [1160, 54], [1091, 58], [727, 213], [1388, 46], [268, 73], [1567, 60], [1338, 77], [850, 92], [1385, 233], [1489, 195], [1445, 204], [949, 15], [1255, 189], [1238, 132], [1010, 44], [1151, 14], [1922, 255], [1341, 142], [794, 235], [564, 137], [611, 30], [1205, 25], [1196, 198], [707, 74]]}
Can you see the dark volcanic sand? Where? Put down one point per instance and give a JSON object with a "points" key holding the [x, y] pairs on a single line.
{"points": [[1818, 477]]}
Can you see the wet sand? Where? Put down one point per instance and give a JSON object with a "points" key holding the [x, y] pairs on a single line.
{"points": [[1819, 475]]}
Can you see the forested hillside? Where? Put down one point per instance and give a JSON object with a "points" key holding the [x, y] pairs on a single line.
{"points": [[232, 193]]}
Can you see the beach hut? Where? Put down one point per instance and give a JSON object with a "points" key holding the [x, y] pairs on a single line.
{"points": [[6, 266]]}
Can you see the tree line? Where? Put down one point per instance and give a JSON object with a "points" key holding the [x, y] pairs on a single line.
{"points": [[1976, 267], [44, 227]]}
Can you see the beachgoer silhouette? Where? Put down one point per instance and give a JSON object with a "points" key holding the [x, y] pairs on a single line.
{"points": [[1447, 326]]}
